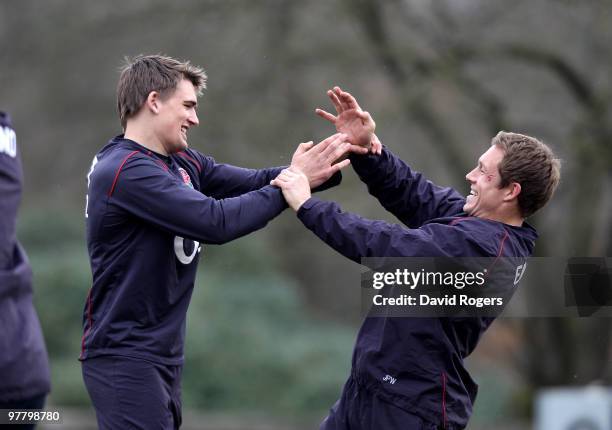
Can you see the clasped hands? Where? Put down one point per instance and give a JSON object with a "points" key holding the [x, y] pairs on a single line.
{"points": [[312, 165]]}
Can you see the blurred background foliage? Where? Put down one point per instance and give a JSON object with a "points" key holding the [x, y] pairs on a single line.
{"points": [[274, 314]]}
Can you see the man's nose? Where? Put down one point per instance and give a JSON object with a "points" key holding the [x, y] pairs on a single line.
{"points": [[194, 119]]}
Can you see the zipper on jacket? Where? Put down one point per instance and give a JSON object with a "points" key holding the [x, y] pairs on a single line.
{"points": [[443, 377]]}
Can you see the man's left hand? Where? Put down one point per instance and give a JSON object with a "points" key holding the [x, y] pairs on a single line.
{"points": [[351, 120]]}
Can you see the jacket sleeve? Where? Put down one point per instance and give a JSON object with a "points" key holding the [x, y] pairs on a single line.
{"points": [[220, 180], [356, 237], [404, 192], [10, 196], [146, 191]]}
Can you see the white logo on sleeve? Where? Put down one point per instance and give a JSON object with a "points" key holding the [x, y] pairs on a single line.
{"points": [[390, 379], [520, 271], [181, 253], [8, 142]]}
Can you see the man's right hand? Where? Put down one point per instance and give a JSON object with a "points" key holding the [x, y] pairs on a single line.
{"points": [[357, 124], [295, 187], [317, 161]]}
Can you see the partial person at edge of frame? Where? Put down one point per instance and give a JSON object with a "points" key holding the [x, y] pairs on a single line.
{"points": [[24, 364]]}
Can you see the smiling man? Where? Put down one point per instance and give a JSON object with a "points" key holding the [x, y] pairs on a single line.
{"points": [[409, 373], [488, 197], [151, 202]]}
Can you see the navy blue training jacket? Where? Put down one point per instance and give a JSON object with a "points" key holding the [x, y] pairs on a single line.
{"points": [[24, 368], [423, 356], [147, 218]]}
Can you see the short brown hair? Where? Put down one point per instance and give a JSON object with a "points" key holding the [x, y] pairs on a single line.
{"points": [[530, 163], [143, 74]]}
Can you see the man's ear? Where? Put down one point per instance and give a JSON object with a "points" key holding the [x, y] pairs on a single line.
{"points": [[513, 191], [153, 102]]}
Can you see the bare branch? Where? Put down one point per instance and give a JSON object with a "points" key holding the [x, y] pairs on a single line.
{"points": [[575, 82]]}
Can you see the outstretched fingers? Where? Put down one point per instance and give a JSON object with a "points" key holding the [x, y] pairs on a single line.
{"points": [[304, 146], [339, 166], [336, 101], [335, 150], [346, 98], [328, 141], [326, 115]]}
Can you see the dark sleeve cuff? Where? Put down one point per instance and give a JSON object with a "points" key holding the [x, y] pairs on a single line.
{"points": [[302, 212], [365, 163], [277, 196]]}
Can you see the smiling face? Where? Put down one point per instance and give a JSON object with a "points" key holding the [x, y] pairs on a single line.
{"points": [[176, 114], [486, 199]]}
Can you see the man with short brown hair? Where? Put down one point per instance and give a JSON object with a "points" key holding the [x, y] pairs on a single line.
{"points": [[153, 73], [532, 164], [408, 373], [151, 202]]}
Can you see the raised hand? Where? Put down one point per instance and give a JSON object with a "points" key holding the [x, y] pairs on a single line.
{"points": [[295, 186], [351, 120], [320, 162]]}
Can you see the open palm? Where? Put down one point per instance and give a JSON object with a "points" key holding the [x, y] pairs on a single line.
{"points": [[357, 125], [351, 120]]}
